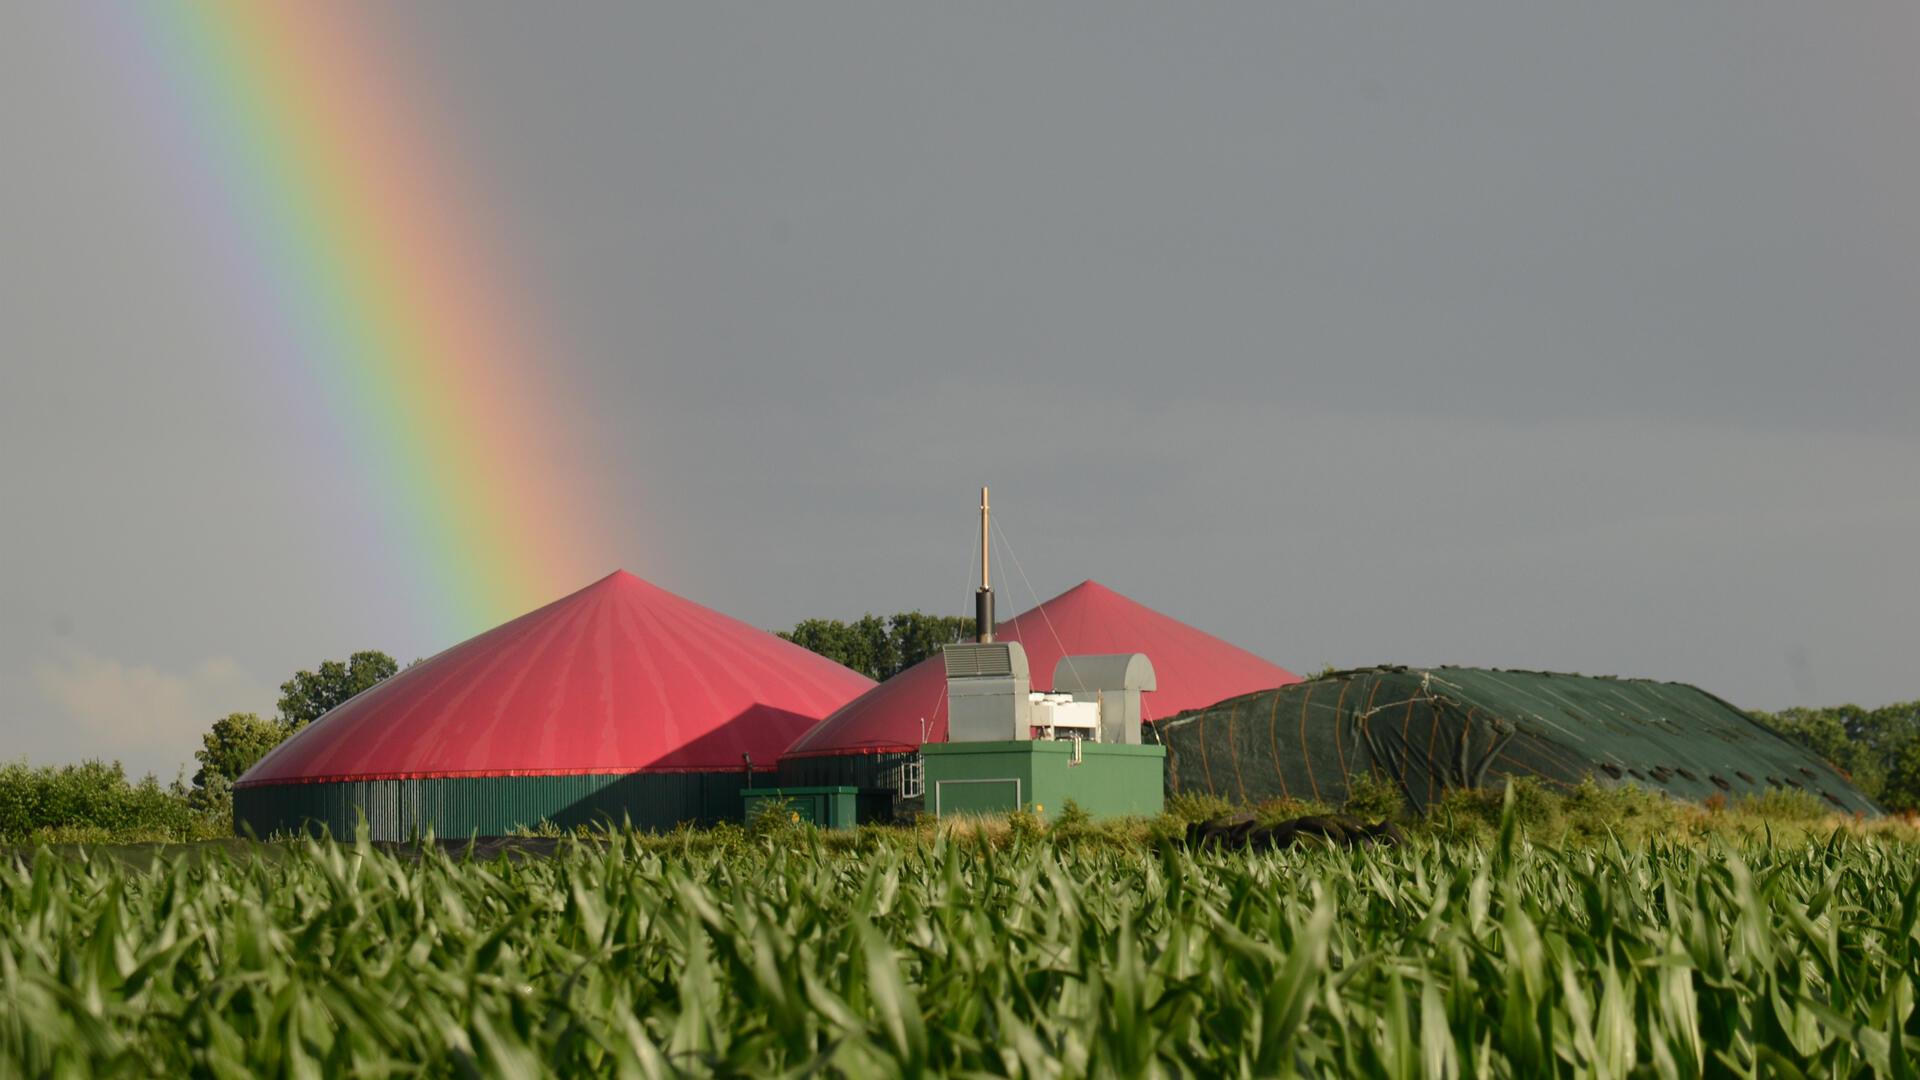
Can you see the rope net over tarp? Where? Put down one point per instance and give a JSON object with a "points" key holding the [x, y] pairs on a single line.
{"points": [[1428, 730]]}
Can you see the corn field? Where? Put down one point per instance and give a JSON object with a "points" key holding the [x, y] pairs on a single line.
{"points": [[1029, 957]]}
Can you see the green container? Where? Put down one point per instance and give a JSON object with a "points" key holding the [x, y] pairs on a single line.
{"points": [[1105, 780], [828, 807]]}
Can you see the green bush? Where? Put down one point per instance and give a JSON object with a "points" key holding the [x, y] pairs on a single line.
{"points": [[1274, 811], [95, 799], [1587, 813], [1592, 812], [1373, 798], [1165, 828], [1189, 806], [19, 799], [1475, 813], [1026, 825], [1072, 818], [775, 817], [1784, 804]]}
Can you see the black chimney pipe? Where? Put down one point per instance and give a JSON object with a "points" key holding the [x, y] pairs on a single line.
{"points": [[983, 599]]}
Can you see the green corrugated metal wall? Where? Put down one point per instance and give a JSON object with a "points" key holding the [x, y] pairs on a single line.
{"points": [[490, 805], [869, 772], [876, 775]]}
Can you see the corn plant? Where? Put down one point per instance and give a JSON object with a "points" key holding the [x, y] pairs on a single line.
{"points": [[951, 954]]}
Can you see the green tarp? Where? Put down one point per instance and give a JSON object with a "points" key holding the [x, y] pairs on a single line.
{"points": [[1433, 729]]}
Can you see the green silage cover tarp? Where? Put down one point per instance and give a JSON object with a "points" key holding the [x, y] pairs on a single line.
{"points": [[1433, 729]]}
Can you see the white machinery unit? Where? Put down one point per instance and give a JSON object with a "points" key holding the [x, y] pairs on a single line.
{"points": [[1094, 698], [1115, 681], [1058, 716]]}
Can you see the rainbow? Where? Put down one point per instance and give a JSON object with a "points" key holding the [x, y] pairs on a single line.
{"points": [[348, 207]]}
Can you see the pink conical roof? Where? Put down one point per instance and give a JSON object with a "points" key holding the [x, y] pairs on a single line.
{"points": [[622, 676], [1192, 669]]}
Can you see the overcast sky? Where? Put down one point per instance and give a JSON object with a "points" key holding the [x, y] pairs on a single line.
{"points": [[1509, 335]]}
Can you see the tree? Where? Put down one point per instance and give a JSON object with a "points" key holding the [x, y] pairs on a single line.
{"points": [[878, 647], [917, 636], [832, 639], [310, 694], [1901, 789], [1878, 749], [236, 741], [881, 649], [1839, 736]]}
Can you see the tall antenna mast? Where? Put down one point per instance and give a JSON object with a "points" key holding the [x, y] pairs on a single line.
{"points": [[983, 599]]}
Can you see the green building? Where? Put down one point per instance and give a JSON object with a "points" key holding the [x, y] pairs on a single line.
{"points": [[1042, 776]]}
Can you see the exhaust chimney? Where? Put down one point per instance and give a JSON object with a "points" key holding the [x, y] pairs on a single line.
{"points": [[983, 599]]}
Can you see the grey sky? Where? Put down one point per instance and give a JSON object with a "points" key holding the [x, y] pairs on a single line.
{"points": [[1498, 334]]}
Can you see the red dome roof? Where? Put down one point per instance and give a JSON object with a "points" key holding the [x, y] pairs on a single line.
{"points": [[1191, 668], [622, 676]]}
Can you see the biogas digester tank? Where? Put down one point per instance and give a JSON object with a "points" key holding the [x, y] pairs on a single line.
{"points": [[620, 701]]}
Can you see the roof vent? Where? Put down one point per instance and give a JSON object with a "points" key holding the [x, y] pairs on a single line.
{"points": [[990, 660]]}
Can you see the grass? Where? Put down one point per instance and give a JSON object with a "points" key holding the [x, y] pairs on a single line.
{"points": [[1489, 945]]}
